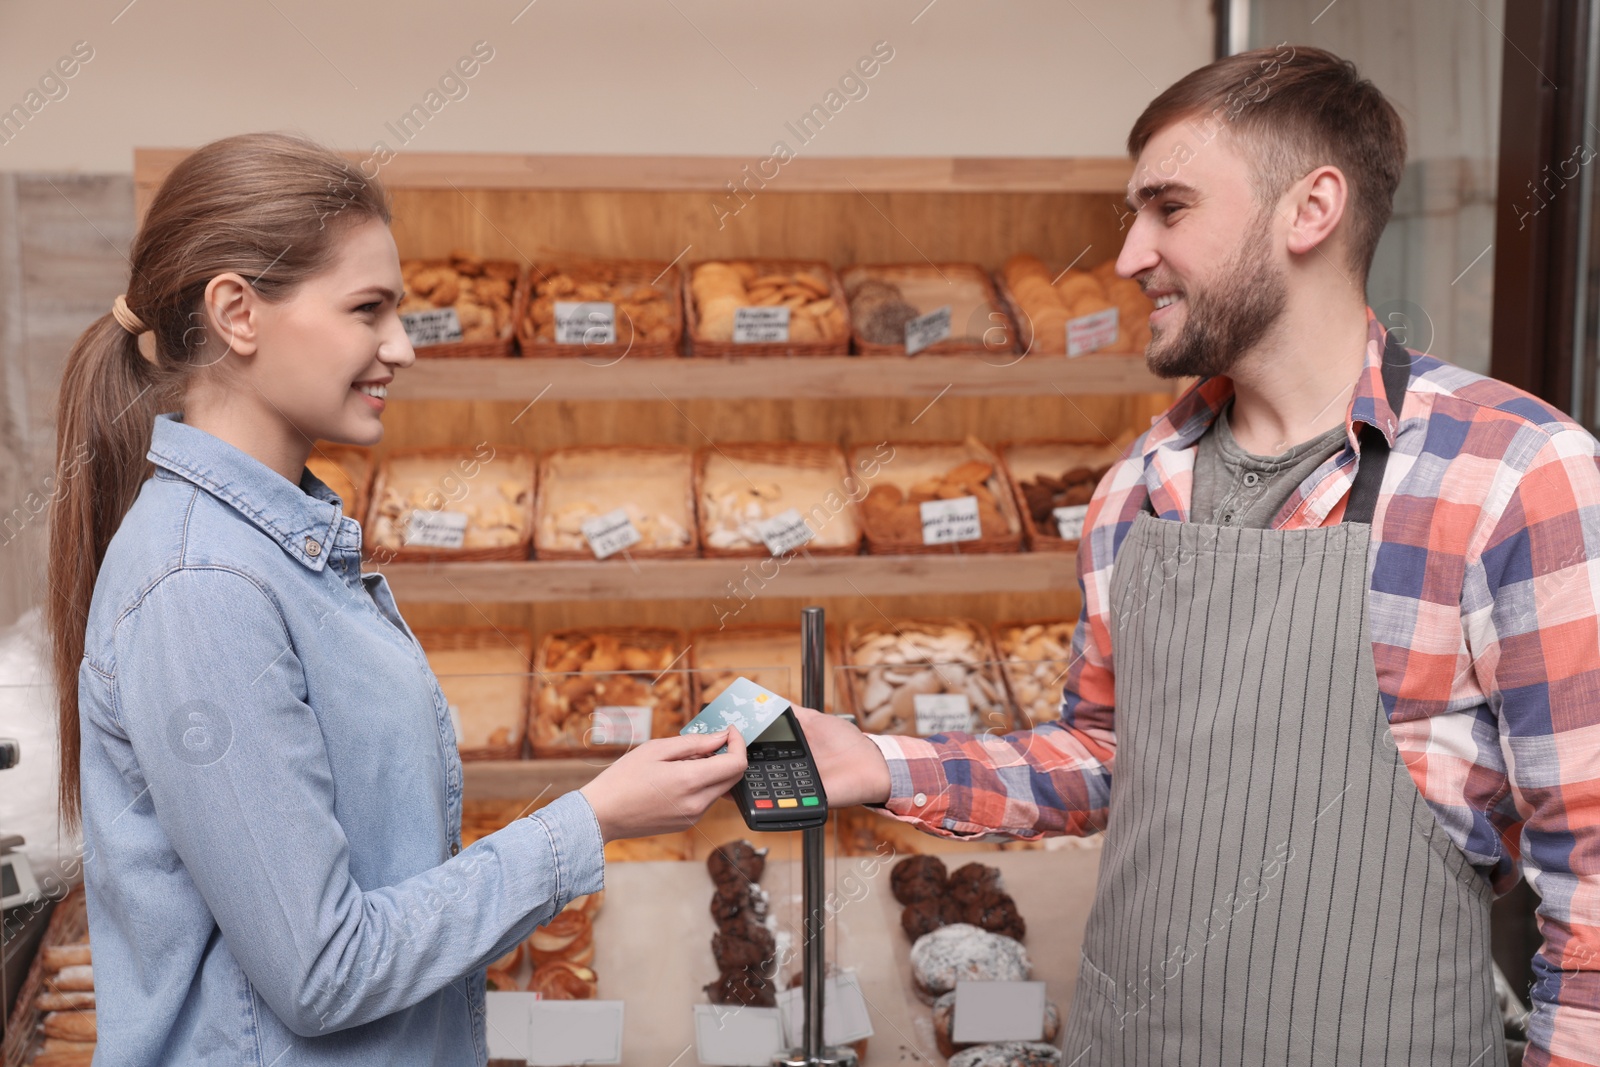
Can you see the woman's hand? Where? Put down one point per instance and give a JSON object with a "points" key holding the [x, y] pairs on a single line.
{"points": [[853, 769], [665, 785]]}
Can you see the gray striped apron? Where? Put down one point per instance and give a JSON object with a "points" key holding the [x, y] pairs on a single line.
{"points": [[1274, 889]]}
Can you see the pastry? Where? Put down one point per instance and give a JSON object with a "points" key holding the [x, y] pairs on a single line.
{"points": [[492, 488], [568, 936], [735, 865], [1047, 303], [502, 972], [581, 671], [747, 902], [926, 916], [75, 978], [480, 291], [484, 673], [57, 1053], [49, 1000], [645, 311], [561, 980], [720, 289], [973, 882], [741, 486], [890, 665], [55, 957], [743, 943], [996, 913], [918, 878], [893, 508], [652, 486], [961, 952], [1009, 1054], [70, 1025], [944, 1014], [744, 987], [1036, 657], [1044, 493]]}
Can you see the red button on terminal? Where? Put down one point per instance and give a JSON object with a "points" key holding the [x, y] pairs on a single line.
{"points": [[763, 803]]}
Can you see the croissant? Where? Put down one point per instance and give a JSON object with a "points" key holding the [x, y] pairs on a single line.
{"points": [[560, 980]]}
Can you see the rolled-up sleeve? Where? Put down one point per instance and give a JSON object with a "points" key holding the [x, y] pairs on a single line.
{"points": [[236, 767]]}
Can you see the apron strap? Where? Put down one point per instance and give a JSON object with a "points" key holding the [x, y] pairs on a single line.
{"points": [[1374, 447]]}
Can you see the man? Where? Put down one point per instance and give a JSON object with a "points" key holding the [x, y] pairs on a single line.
{"points": [[1336, 677]]}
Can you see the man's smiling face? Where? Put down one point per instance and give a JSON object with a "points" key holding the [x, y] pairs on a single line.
{"points": [[1206, 250]]}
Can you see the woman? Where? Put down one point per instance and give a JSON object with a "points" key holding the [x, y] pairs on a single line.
{"points": [[270, 790]]}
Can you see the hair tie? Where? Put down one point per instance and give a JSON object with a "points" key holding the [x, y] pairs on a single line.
{"points": [[125, 316]]}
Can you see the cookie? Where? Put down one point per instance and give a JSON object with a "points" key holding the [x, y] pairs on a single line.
{"points": [[918, 878]]}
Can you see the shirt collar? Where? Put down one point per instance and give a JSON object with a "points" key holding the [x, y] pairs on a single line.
{"points": [[1187, 420], [303, 519]]}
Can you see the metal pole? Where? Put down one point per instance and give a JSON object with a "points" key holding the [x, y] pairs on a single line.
{"points": [[813, 960]]}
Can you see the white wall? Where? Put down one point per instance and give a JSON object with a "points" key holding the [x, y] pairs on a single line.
{"points": [[968, 77]]}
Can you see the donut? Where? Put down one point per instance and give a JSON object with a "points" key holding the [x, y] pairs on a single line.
{"points": [[963, 952], [1009, 1054]]}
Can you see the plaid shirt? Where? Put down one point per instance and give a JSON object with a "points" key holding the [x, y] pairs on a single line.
{"points": [[1485, 620]]}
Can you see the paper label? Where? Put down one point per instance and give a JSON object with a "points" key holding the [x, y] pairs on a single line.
{"points": [[566, 1032], [610, 533], [942, 713], [619, 724], [760, 325], [586, 322], [784, 532], [455, 721], [728, 1035], [507, 1017], [844, 1011], [926, 330], [998, 1011], [1069, 521], [1091, 332], [436, 529], [437, 327], [947, 521]]}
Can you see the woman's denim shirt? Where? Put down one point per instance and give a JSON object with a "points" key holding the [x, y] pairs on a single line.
{"points": [[272, 794]]}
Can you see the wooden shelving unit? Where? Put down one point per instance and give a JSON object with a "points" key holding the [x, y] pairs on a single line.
{"points": [[813, 378], [804, 575]]}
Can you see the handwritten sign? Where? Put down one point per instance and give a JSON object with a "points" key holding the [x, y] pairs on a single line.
{"points": [[586, 322], [437, 327], [610, 533], [784, 532], [760, 325], [948, 521], [436, 529], [1091, 332], [927, 330]]}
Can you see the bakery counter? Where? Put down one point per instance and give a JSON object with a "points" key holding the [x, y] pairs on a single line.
{"points": [[798, 377], [546, 581], [664, 905]]}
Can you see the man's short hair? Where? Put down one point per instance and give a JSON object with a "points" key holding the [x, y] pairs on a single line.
{"points": [[1294, 109]]}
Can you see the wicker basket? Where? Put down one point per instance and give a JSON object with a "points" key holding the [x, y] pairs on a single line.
{"points": [[1031, 712], [719, 655], [501, 347], [916, 461], [996, 717], [666, 690], [486, 673], [69, 925], [1025, 460], [755, 460], [659, 476], [999, 333], [834, 346], [628, 273], [357, 465], [503, 464], [1057, 347]]}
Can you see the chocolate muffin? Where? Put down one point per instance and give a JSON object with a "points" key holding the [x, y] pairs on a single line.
{"points": [[741, 943], [735, 865], [746, 901], [918, 878], [747, 988], [926, 916], [996, 913], [973, 882]]}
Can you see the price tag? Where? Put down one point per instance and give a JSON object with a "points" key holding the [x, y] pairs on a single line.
{"points": [[784, 532], [947, 521], [728, 1035], [844, 1011], [940, 713], [436, 327], [1069, 521], [761, 325], [455, 721], [610, 533], [507, 1018], [1091, 332], [620, 724], [436, 529], [926, 330], [998, 1011], [586, 323], [566, 1032]]}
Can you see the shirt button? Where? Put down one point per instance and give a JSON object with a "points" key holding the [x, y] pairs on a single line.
{"points": [[312, 547], [455, 850], [1251, 478], [920, 799]]}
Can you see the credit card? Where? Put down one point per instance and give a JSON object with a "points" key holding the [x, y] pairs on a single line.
{"points": [[745, 706]]}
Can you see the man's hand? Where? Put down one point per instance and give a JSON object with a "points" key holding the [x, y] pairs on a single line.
{"points": [[665, 785], [852, 767]]}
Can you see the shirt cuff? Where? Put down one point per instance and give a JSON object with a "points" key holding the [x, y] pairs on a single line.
{"points": [[578, 847], [918, 791]]}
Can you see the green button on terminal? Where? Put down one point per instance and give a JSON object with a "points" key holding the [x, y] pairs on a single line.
{"points": [[808, 802]]}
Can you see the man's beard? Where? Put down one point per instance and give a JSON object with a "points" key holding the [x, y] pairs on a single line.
{"points": [[1222, 320]]}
